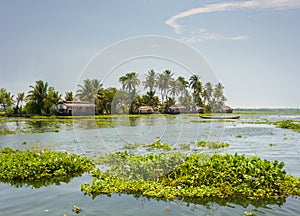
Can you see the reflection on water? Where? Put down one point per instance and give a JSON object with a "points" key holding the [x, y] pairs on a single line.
{"points": [[44, 182], [94, 137]]}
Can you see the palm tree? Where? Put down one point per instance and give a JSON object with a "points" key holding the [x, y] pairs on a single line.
{"points": [[53, 96], [38, 95], [183, 84], [150, 80], [102, 101], [20, 98], [160, 86], [207, 92], [174, 88], [196, 85], [89, 89], [129, 82], [218, 96], [163, 82], [69, 96]]}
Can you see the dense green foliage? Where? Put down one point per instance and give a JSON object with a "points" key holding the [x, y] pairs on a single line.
{"points": [[129, 166], [27, 165], [42, 98], [197, 176]]}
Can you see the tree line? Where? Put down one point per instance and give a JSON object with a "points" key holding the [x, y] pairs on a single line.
{"points": [[162, 90]]}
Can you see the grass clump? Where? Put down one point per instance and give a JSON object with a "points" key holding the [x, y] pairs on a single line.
{"points": [[28, 165], [198, 176]]}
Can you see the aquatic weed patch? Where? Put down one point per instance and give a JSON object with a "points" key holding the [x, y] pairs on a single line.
{"points": [[212, 145], [200, 176], [150, 146], [288, 124], [129, 166], [28, 165]]}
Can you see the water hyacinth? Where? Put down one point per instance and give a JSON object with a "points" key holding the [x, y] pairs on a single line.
{"points": [[28, 165], [199, 176], [288, 124]]}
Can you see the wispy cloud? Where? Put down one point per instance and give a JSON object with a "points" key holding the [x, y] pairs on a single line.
{"points": [[228, 6], [201, 35]]}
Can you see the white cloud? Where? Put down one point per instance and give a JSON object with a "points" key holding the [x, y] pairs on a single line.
{"points": [[229, 6], [201, 35]]}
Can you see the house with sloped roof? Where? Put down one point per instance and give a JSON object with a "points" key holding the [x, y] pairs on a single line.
{"points": [[74, 108]]}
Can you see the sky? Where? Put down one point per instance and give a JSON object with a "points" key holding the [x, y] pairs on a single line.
{"points": [[252, 47]]}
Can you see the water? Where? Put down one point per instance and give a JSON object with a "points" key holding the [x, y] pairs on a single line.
{"points": [[243, 136]]}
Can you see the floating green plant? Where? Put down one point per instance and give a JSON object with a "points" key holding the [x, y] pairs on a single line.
{"points": [[132, 145], [129, 166], [288, 124], [76, 209], [28, 165], [158, 145], [238, 136], [155, 145], [199, 176], [212, 145]]}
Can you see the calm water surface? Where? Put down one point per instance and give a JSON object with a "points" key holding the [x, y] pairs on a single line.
{"points": [[243, 135]]}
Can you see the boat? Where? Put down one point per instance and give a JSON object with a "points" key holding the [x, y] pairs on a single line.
{"points": [[219, 117]]}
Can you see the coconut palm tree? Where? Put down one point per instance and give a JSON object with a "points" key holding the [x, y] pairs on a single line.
{"points": [[182, 84], [129, 82], [196, 85], [20, 98], [218, 96], [53, 97], [163, 81], [207, 92], [174, 88], [150, 80], [89, 89], [69, 96], [38, 95]]}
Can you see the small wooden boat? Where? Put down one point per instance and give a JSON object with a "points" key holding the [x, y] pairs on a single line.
{"points": [[219, 117]]}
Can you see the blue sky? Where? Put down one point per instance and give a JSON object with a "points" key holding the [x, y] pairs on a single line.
{"points": [[253, 46]]}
